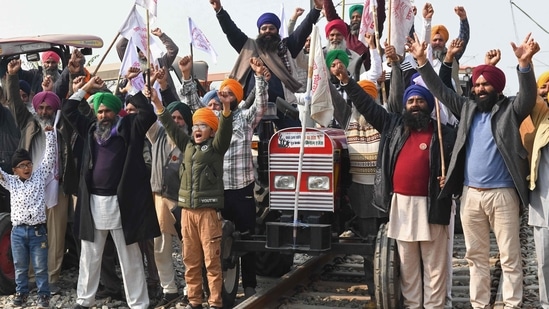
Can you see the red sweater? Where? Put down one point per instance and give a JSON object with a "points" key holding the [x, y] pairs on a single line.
{"points": [[411, 176]]}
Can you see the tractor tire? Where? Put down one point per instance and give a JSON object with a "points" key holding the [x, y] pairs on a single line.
{"points": [[386, 271], [230, 266], [7, 270]]}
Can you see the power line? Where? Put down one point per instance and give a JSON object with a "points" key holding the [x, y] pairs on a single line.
{"points": [[523, 12]]}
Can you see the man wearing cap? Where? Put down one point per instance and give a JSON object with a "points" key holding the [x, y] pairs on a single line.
{"points": [[543, 86], [65, 177], [274, 51], [238, 170], [405, 182], [490, 164], [114, 193], [351, 32]]}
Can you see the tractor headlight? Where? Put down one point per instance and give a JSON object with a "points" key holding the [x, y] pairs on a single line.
{"points": [[318, 183], [285, 182]]}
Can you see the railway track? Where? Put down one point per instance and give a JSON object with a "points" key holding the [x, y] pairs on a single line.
{"points": [[336, 281]]}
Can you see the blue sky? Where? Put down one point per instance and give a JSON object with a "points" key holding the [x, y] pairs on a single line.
{"points": [[493, 24]]}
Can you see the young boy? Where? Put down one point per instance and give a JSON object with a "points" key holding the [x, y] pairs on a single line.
{"points": [[28, 217]]}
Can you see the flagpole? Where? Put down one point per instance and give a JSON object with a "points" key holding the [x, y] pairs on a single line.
{"points": [[314, 37], [378, 45], [148, 52], [343, 10], [192, 59], [439, 128], [106, 53], [390, 21]]}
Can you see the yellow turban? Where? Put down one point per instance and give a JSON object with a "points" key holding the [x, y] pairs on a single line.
{"points": [[207, 116], [369, 87], [440, 29], [543, 79], [235, 87]]}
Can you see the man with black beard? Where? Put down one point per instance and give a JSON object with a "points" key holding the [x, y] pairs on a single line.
{"points": [[46, 104], [490, 165], [275, 52], [406, 185]]}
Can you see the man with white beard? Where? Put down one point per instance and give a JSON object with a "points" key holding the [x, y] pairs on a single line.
{"points": [[46, 104]]}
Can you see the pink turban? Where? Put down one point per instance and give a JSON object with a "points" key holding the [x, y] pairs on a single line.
{"points": [[50, 54], [47, 97], [492, 74], [337, 24]]}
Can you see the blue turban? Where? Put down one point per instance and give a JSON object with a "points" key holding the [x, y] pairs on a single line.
{"points": [[212, 94], [419, 91], [268, 18], [23, 85]]}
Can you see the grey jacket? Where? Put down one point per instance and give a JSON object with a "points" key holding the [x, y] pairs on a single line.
{"points": [[507, 115]]}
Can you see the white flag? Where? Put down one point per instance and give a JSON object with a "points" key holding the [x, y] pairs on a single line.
{"points": [[199, 40], [283, 31], [131, 59], [322, 109], [367, 24], [402, 19], [149, 5], [134, 27]]}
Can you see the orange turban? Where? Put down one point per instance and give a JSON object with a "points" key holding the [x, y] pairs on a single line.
{"points": [[369, 87], [235, 87], [207, 116], [543, 79], [440, 29]]}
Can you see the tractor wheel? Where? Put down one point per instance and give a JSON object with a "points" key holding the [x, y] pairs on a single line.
{"points": [[7, 270], [386, 271], [230, 266]]}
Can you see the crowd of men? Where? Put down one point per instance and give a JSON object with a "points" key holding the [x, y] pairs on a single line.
{"points": [[133, 176]]}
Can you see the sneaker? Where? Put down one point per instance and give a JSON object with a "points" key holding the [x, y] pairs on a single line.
{"points": [[43, 301], [78, 306], [19, 299], [167, 298]]}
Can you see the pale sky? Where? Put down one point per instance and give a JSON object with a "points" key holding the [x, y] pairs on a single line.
{"points": [[493, 25]]}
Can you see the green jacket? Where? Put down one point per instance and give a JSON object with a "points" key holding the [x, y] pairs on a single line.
{"points": [[201, 171]]}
